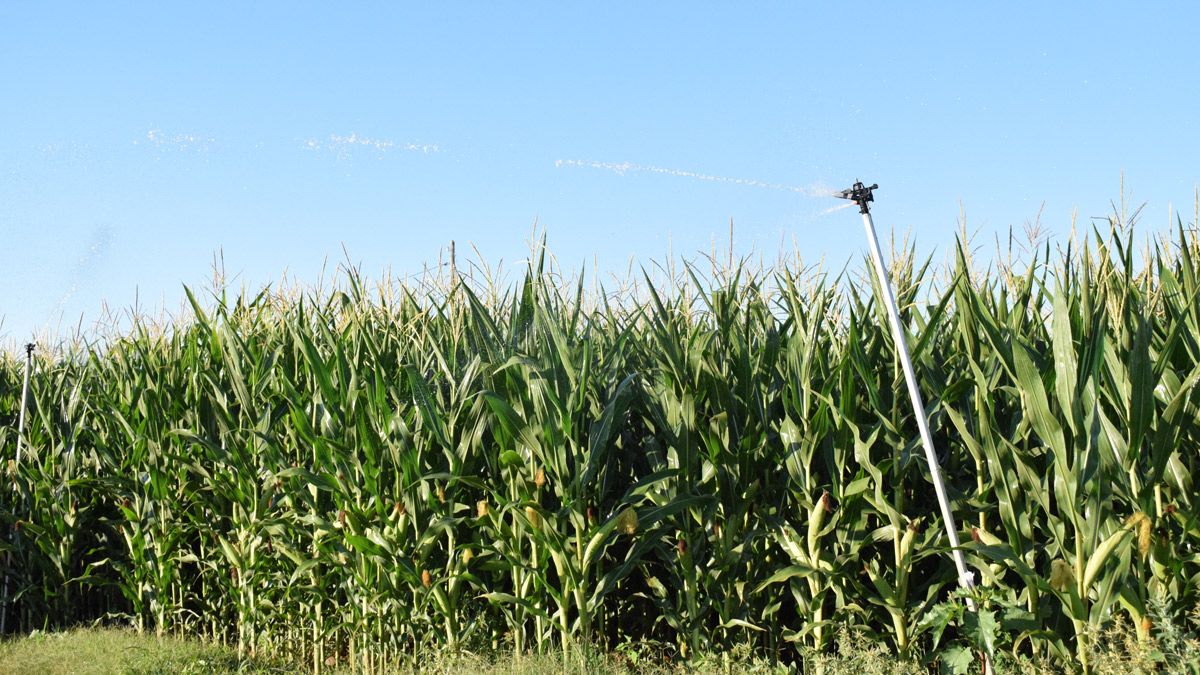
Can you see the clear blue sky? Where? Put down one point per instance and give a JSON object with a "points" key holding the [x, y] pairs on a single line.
{"points": [[137, 139]]}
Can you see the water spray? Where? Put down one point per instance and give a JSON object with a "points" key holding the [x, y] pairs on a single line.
{"points": [[862, 196], [20, 433], [621, 168]]}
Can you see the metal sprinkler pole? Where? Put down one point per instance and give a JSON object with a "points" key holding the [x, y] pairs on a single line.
{"points": [[20, 433], [862, 195], [24, 397]]}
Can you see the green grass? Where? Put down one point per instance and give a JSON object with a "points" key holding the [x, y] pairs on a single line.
{"points": [[110, 650], [117, 650]]}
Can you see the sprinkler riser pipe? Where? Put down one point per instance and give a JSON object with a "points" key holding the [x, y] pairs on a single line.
{"points": [[24, 398], [965, 578], [20, 433], [862, 195]]}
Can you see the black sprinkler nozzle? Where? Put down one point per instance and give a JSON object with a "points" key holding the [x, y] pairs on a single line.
{"points": [[860, 194]]}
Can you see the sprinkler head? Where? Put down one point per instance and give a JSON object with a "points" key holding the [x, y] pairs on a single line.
{"points": [[860, 194]]}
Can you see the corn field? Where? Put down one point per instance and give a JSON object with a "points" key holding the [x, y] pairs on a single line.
{"points": [[365, 473]]}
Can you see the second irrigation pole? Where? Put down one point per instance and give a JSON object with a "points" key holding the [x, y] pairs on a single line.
{"points": [[863, 196], [20, 433]]}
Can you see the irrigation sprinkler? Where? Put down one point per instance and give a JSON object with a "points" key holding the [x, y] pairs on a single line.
{"points": [[863, 195], [20, 433]]}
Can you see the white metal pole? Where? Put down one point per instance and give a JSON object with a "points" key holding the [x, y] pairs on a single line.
{"points": [[24, 397], [20, 433], [889, 300], [965, 578]]}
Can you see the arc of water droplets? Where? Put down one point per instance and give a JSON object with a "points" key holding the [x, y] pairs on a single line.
{"points": [[815, 190]]}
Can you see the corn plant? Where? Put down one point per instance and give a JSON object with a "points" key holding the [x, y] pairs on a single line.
{"points": [[364, 473]]}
